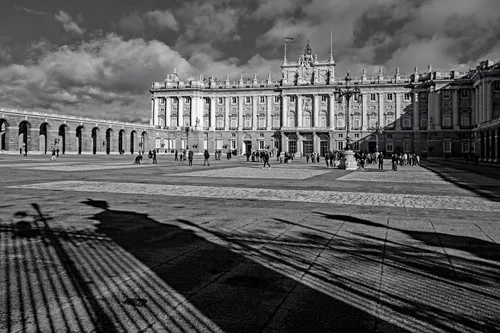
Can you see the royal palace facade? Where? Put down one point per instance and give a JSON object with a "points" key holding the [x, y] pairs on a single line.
{"points": [[434, 114]]}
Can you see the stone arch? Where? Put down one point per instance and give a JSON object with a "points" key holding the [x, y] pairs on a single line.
{"points": [[95, 137], [24, 136], [133, 141], [79, 138], [247, 137], [4, 129], [43, 138], [63, 138], [109, 137], [121, 140], [144, 141]]}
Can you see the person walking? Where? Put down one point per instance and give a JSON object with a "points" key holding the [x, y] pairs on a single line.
{"points": [[207, 156], [154, 157], [380, 159], [53, 158], [176, 156], [327, 159], [190, 157], [265, 157], [394, 162]]}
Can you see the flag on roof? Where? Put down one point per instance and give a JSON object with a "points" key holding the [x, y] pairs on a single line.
{"points": [[288, 39]]}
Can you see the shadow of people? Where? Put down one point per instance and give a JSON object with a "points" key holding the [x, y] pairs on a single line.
{"points": [[235, 292]]}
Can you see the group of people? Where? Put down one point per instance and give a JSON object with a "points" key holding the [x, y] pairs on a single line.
{"points": [[403, 159], [151, 157]]}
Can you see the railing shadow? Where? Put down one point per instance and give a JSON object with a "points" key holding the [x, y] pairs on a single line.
{"points": [[487, 191]]}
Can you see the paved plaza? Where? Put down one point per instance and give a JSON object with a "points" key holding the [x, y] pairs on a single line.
{"points": [[98, 244]]}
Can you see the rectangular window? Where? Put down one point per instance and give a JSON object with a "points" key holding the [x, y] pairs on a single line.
{"points": [[220, 100], [389, 97], [262, 99], [248, 100], [355, 146], [234, 100], [292, 147], [158, 143], [187, 100], [292, 99], [389, 146], [423, 146], [276, 99], [446, 94], [341, 135], [373, 97], [496, 85], [464, 93], [218, 144], [340, 145], [356, 135], [162, 101], [324, 98], [447, 146], [406, 96], [261, 144], [465, 147], [406, 147], [233, 144]]}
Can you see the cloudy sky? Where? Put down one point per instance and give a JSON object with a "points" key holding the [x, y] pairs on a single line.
{"points": [[97, 58]]}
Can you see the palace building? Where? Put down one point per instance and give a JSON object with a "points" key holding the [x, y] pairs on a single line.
{"points": [[434, 113]]}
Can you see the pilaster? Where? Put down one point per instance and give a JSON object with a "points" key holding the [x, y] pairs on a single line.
{"points": [[180, 113], [415, 111], [284, 113], [157, 112], [254, 113], [398, 112], [473, 116], [240, 113], [269, 112], [168, 111], [489, 101], [331, 111], [364, 116], [226, 113], [151, 120], [212, 113], [299, 111], [315, 111], [454, 116], [381, 106], [437, 110]]}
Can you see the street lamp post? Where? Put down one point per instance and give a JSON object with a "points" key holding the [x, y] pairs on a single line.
{"points": [[377, 130], [348, 161]]}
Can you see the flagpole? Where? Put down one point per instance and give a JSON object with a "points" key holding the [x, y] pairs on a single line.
{"points": [[331, 43], [284, 58]]}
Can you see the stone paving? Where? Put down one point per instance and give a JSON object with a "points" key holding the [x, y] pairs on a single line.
{"points": [[161, 249], [278, 172]]}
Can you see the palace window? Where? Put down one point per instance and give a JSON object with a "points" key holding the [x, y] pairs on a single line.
{"points": [[324, 98], [373, 97], [262, 99], [276, 121], [356, 135], [340, 145], [389, 96], [406, 96], [206, 120], [340, 135], [356, 121], [496, 85], [248, 100], [355, 145], [291, 119], [447, 146], [423, 121], [307, 120], [340, 120], [262, 121], [220, 100], [423, 146], [207, 101], [389, 119], [261, 144], [234, 100], [174, 101], [465, 146], [292, 99], [247, 121], [233, 120], [173, 120], [389, 147], [220, 121], [446, 94], [464, 93], [322, 120], [446, 120], [372, 123], [187, 100], [162, 101], [276, 99], [407, 121], [465, 119], [233, 144], [406, 146]]}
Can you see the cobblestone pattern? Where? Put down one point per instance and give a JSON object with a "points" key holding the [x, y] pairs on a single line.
{"points": [[326, 197], [243, 172]]}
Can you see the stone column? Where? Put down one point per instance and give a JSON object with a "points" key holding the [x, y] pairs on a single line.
{"points": [[481, 102], [212, 113], [494, 150], [254, 112], [151, 121], [315, 120], [473, 116], [397, 117], [180, 113], [415, 111], [226, 113], [194, 109], [299, 144], [316, 142], [168, 111], [299, 111], [269, 112], [284, 112], [331, 111], [455, 110], [240, 113], [284, 143], [156, 121], [364, 113], [381, 106], [436, 109], [489, 101]]}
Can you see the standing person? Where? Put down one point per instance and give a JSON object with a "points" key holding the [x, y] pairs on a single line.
{"points": [[248, 155], [25, 149], [53, 158], [154, 157], [176, 156], [331, 159], [207, 156], [307, 158], [394, 162], [327, 159], [380, 159], [150, 156], [265, 157], [57, 152], [190, 158]]}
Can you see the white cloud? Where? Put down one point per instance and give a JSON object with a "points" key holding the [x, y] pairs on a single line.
{"points": [[162, 20], [68, 24], [5, 54], [31, 11], [132, 23]]}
